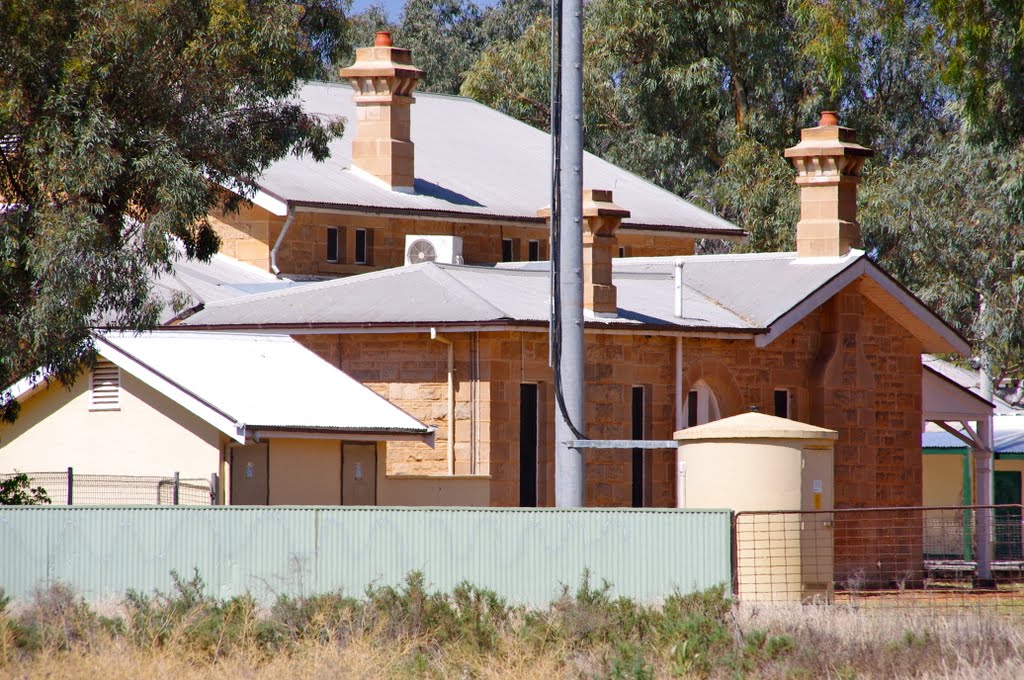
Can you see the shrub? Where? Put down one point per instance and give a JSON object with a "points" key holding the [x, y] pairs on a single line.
{"points": [[18, 490], [55, 618]]}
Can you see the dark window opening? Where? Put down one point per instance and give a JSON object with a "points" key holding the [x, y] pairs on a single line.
{"points": [[782, 403], [528, 445], [332, 244], [361, 254], [622, 251], [533, 253], [691, 409], [638, 454], [507, 251]]}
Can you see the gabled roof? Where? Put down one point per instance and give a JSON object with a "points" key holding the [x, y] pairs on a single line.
{"points": [[244, 384], [946, 400], [192, 283], [967, 380], [471, 161], [757, 295]]}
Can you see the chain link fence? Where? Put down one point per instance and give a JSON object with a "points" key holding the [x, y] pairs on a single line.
{"points": [[883, 557], [72, 488]]}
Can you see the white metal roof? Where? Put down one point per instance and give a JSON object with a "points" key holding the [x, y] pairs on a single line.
{"points": [[968, 380], [248, 383], [470, 161]]}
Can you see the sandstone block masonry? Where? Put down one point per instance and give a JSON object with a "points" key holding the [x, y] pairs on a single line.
{"points": [[848, 366], [250, 234]]}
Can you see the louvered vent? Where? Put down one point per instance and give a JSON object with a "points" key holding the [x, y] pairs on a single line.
{"points": [[105, 390]]}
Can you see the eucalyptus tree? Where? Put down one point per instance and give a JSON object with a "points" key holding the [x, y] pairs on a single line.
{"points": [[121, 122], [446, 37], [947, 224], [986, 64]]}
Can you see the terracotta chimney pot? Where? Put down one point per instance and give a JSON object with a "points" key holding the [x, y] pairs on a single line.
{"points": [[828, 118]]}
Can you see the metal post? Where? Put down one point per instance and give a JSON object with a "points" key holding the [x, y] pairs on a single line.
{"points": [[983, 479], [569, 461], [214, 489], [71, 485], [680, 423], [177, 487], [983, 464]]}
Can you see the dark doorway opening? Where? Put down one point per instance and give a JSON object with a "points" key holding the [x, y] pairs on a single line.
{"points": [[1007, 491], [528, 445], [638, 454]]}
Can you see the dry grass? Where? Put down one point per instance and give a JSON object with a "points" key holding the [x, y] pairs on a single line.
{"points": [[845, 642], [411, 632]]}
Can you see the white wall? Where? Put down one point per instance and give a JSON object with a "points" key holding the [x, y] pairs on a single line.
{"points": [[149, 435]]}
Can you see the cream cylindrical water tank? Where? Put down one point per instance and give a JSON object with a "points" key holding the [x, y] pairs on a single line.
{"points": [[756, 463]]}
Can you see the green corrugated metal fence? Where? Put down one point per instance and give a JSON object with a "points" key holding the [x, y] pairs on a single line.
{"points": [[524, 555]]}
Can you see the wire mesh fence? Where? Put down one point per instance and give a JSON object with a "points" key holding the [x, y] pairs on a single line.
{"points": [[72, 488], [883, 557]]}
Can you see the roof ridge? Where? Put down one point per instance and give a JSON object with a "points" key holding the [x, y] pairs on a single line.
{"points": [[319, 285], [436, 269]]}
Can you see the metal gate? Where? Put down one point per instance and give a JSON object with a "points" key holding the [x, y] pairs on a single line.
{"points": [[907, 556]]}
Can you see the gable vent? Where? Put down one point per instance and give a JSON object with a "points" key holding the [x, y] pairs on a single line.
{"points": [[105, 387]]}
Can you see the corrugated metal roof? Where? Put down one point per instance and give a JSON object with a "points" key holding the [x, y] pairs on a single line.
{"points": [[261, 381], [472, 160], [715, 294], [1005, 439], [191, 283]]}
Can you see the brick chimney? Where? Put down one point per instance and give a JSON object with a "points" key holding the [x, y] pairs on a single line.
{"points": [[828, 161], [383, 78], [601, 219]]}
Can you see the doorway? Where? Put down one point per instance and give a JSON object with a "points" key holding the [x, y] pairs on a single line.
{"points": [[638, 431], [249, 475], [528, 445], [359, 474], [1007, 491]]}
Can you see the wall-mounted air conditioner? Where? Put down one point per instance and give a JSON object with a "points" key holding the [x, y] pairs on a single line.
{"points": [[440, 249]]}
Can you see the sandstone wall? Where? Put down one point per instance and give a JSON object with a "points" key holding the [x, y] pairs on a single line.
{"points": [[250, 234], [847, 366]]}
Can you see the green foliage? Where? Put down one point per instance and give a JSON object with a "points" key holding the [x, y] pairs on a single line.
{"points": [[120, 123], [188, 617], [18, 490], [986, 64], [958, 245], [55, 619], [470, 616], [445, 36]]}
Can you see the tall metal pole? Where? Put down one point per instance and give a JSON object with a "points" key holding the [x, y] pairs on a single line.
{"points": [[983, 475], [569, 461]]}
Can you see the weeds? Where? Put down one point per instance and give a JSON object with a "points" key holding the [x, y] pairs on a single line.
{"points": [[411, 630]]}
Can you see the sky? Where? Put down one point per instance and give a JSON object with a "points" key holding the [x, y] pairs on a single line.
{"points": [[394, 7]]}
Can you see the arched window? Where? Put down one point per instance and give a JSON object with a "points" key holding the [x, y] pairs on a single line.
{"points": [[701, 405]]}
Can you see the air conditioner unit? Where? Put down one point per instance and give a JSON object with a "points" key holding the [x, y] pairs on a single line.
{"points": [[440, 249]]}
